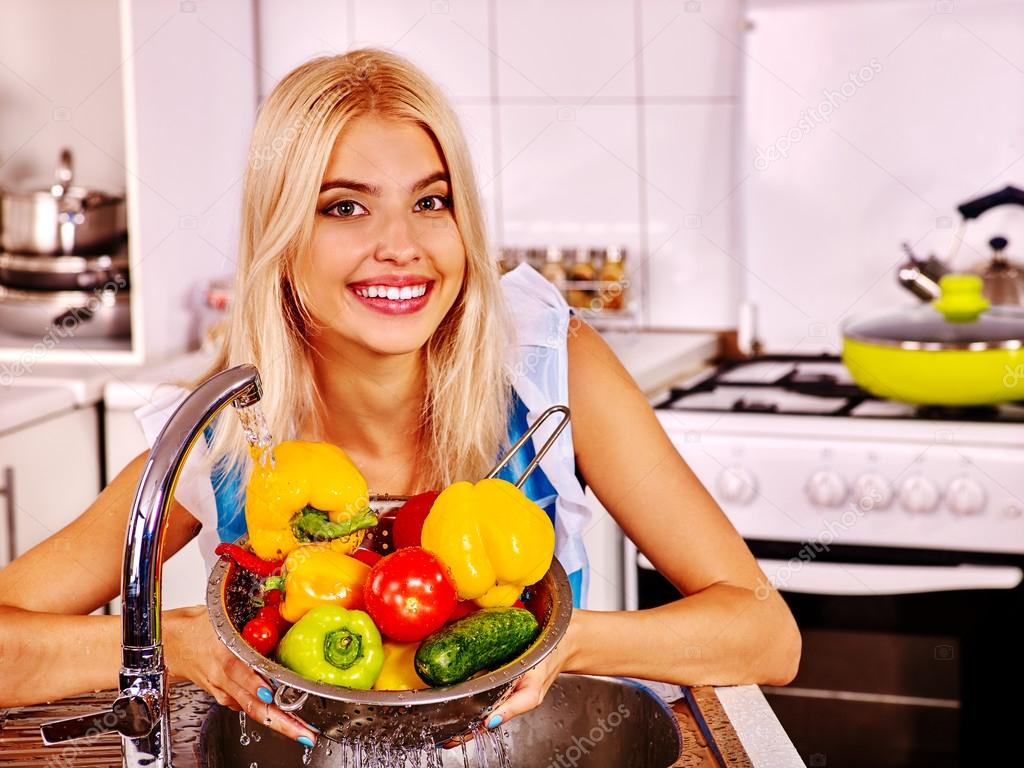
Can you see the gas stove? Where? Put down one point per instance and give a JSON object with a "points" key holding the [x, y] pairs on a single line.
{"points": [[793, 450]]}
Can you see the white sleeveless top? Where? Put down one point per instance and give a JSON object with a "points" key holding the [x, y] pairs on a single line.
{"points": [[539, 366]]}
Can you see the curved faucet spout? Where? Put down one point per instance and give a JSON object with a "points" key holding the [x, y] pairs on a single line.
{"points": [[144, 540]]}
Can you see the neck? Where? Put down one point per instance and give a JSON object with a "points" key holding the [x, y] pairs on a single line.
{"points": [[372, 404]]}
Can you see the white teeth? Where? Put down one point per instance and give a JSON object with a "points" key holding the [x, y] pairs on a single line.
{"points": [[392, 292]]}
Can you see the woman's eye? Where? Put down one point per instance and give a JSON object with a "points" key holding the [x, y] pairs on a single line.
{"points": [[434, 203], [345, 209]]}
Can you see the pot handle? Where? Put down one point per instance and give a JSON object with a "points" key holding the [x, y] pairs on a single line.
{"points": [[78, 314], [972, 209], [65, 172]]}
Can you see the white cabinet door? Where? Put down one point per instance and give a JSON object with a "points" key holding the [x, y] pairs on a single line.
{"points": [[53, 470]]}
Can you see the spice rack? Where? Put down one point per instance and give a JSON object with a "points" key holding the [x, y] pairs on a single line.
{"points": [[595, 281]]}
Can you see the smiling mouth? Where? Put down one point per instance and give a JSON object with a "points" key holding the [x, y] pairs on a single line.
{"points": [[392, 299]]}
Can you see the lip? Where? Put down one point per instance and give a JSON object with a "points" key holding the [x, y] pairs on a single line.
{"points": [[397, 281], [390, 307]]}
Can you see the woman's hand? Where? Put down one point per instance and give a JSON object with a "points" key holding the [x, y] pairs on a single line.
{"points": [[193, 651], [530, 689]]}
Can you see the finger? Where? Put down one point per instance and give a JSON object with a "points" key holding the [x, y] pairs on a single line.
{"points": [[528, 694], [274, 718]]}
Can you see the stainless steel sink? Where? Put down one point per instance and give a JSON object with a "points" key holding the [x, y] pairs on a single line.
{"points": [[584, 721]]}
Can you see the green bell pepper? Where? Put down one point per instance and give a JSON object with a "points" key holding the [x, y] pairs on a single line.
{"points": [[334, 645]]}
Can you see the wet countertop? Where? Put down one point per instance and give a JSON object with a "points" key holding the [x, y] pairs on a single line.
{"points": [[722, 728]]}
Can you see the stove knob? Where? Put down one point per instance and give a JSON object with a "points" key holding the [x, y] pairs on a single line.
{"points": [[826, 488], [918, 495], [872, 491], [736, 485], [965, 497]]}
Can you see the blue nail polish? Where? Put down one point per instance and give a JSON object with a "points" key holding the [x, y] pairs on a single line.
{"points": [[265, 695], [306, 742], [494, 722]]}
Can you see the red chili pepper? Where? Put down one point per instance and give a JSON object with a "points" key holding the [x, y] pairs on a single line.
{"points": [[261, 634], [243, 558], [367, 556]]}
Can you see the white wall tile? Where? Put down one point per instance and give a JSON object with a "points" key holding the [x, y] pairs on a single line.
{"points": [[448, 39], [569, 176], [690, 48], [566, 50], [694, 263], [293, 31]]}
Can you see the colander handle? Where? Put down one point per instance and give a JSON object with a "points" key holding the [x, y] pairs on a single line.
{"points": [[288, 706], [527, 435]]}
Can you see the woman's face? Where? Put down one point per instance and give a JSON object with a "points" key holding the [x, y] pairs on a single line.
{"points": [[387, 261]]}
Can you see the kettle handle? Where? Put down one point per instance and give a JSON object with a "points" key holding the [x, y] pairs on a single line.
{"points": [[972, 209]]}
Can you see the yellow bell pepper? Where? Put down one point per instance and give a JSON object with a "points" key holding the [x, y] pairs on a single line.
{"points": [[494, 539], [309, 492], [399, 672], [321, 574]]}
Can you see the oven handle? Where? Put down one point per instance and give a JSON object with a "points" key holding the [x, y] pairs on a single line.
{"points": [[868, 579], [814, 578]]}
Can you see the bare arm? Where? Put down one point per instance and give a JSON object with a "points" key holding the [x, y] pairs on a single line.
{"points": [[732, 627], [49, 646]]}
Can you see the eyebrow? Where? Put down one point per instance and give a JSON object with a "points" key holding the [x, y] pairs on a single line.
{"points": [[375, 191]]}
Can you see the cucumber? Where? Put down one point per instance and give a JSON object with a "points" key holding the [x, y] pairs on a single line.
{"points": [[484, 639]]}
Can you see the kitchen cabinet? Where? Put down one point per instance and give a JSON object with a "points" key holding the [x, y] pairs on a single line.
{"points": [[50, 471]]}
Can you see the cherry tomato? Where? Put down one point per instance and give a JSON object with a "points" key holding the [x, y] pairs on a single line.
{"points": [[272, 597], [409, 594], [409, 519], [261, 634], [273, 614]]}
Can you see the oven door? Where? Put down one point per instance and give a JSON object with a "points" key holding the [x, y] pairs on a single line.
{"points": [[907, 656]]}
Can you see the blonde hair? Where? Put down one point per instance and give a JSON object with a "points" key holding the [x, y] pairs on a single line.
{"points": [[464, 413]]}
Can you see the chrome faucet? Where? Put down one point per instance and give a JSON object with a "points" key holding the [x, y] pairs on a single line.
{"points": [[141, 713]]}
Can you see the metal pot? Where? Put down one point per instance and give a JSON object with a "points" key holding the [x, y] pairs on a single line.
{"points": [[406, 718], [63, 273], [957, 351], [61, 219], [65, 314]]}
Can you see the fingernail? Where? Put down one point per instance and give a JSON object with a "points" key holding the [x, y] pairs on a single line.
{"points": [[306, 742], [265, 695], [494, 722]]}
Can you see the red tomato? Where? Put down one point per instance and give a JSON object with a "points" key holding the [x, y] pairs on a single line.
{"points": [[273, 614], [409, 594], [261, 634], [409, 519]]}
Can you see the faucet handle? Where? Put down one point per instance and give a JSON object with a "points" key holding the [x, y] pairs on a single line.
{"points": [[132, 716]]}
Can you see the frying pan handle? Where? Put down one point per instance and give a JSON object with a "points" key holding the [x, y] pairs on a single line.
{"points": [[972, 209]]}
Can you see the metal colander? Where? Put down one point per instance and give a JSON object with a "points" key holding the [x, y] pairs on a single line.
{"points": [[403, 718]]}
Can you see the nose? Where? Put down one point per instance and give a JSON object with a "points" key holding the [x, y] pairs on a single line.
{"points": [[397, 243]]}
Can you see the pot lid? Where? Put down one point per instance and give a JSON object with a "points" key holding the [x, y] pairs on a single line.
{"points": [[961, 318], [61, 188]]}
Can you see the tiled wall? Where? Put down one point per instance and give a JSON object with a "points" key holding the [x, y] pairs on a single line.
{"points": [[592, 122]]}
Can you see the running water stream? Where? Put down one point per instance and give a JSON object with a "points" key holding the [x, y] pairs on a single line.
{"points": [[257, 433], [487, 749]]}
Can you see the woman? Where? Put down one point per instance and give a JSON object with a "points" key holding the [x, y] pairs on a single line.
{"points": [[368, 301]]}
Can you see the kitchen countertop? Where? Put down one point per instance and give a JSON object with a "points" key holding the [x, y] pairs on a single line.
{"points": [[721, 727], [22, 405]]}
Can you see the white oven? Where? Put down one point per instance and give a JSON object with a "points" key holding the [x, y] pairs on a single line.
{"points": [[895, 535]]}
